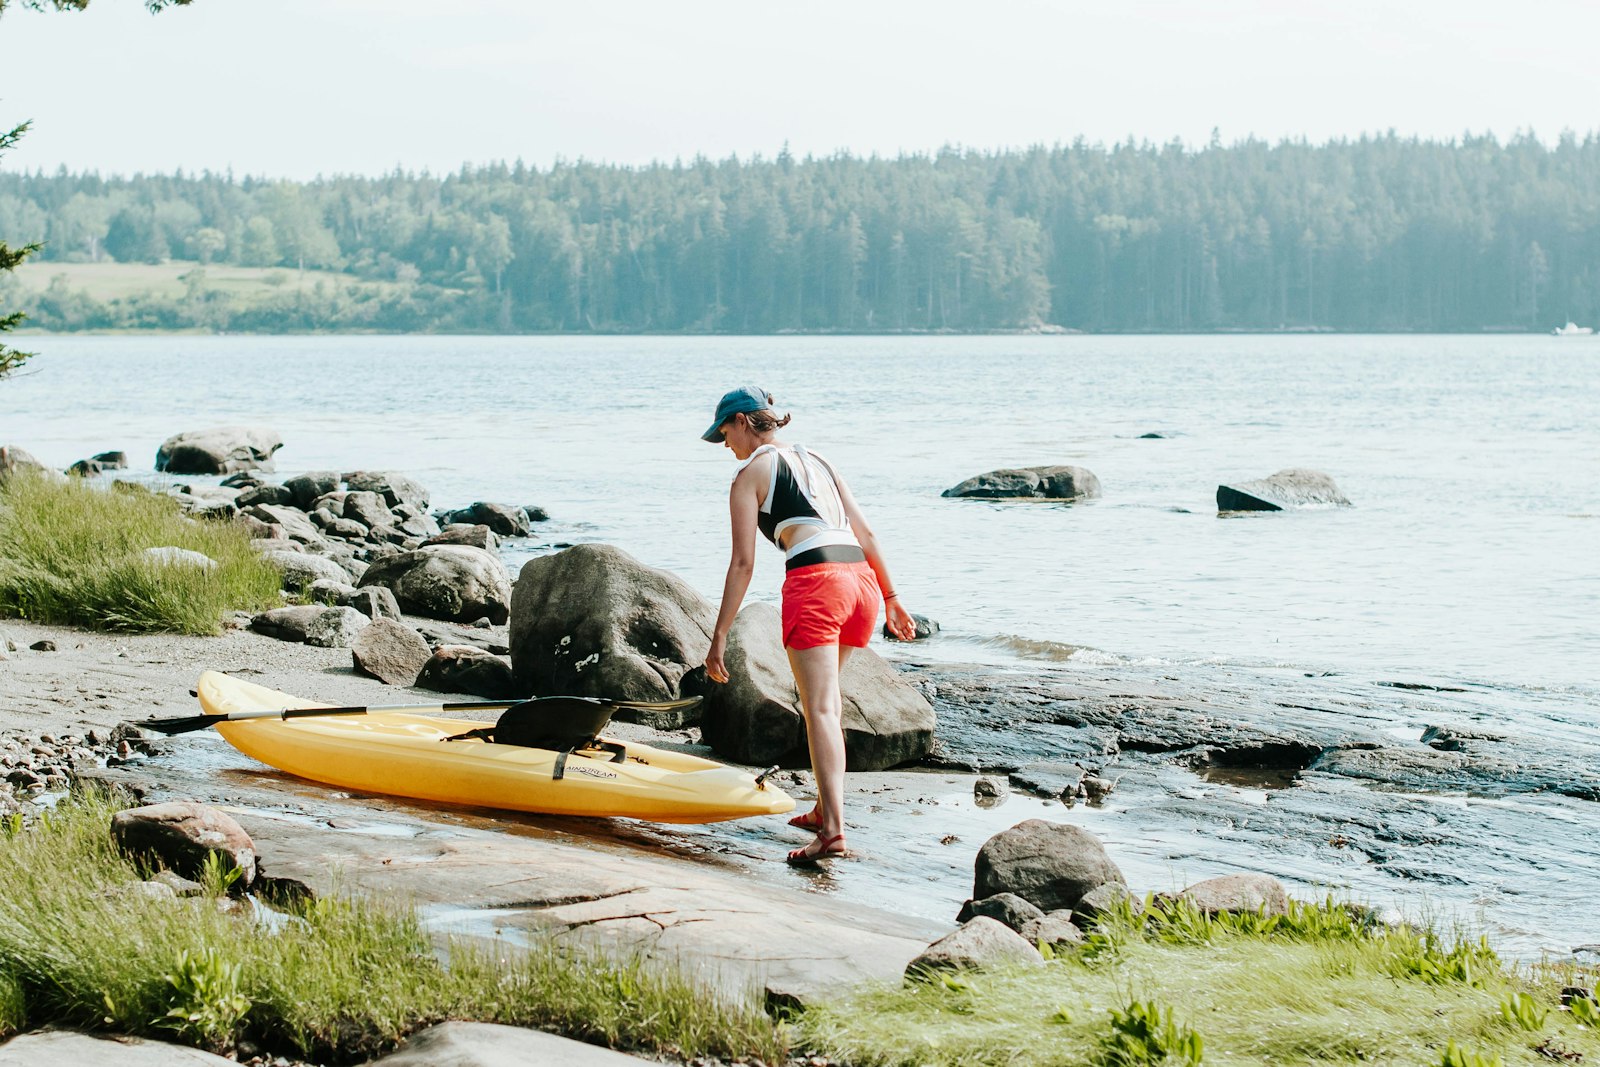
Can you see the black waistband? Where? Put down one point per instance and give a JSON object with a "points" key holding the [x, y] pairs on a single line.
{"points": [[827, 554]]}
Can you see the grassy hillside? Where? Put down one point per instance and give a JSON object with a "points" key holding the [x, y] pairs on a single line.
{"points": [[115, 281]]}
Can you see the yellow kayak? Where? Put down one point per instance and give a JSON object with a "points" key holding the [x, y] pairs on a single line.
{"points": [[404, 754]]}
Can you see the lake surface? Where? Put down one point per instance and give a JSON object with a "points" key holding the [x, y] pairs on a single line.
{"points": [[1473, 462]]}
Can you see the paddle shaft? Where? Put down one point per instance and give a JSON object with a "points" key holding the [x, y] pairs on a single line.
{"points": [[299, 713]]}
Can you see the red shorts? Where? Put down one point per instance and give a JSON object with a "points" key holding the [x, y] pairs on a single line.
{"points": [[829, 604]]}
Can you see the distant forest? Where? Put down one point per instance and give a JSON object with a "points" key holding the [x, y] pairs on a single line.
{"points": [[1380, 234]]}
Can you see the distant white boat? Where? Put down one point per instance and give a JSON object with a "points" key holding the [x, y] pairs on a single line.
{"points": [[1572, 329]]}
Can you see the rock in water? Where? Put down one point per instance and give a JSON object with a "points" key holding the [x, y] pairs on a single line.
{"points": [[455, 583], [594, 621], [1051, 865], [922, 629], [1238, 893], [219, 450], [390, 651], [182, 835], [1060, 482], [979, 943], [503, 519], [465, 669], [756, 717], [1292, 488]]}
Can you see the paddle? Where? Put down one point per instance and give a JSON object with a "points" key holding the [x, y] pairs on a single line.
{"points": [[191, 723]]}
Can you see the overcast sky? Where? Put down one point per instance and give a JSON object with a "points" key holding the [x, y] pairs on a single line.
{"points": [[301, 87]]}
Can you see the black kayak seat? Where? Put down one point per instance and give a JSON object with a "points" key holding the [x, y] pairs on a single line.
{"points": [[563, 725]]}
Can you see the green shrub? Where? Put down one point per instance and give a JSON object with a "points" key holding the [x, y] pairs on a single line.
{"points": [[13, 1005], [1144, 1033], [71, 553], [1455, 1056]]}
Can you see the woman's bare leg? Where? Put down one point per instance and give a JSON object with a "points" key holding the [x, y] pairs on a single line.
{"points": [[816, 674]]}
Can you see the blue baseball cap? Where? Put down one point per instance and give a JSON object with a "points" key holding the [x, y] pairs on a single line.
{"points": [[744, 399]]}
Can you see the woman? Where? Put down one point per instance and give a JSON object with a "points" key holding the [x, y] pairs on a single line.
{"points": [[835, 578]]}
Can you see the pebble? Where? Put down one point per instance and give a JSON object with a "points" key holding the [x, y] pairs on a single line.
{"points": [[43, 646]]}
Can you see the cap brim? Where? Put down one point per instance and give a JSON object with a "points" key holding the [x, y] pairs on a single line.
{"points": [[714, 435]]}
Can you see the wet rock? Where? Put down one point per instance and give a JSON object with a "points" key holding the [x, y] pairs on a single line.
{"points": [[300, 570], [219, 450], [535, 513], [85, 468], [478, 536], [451, 582], [1051, 865], [335, 627], [989, 788], [594, 621], [756, 716], [503, 519], [1002, 907], [464, 669], [390, 651], [922, 629], [1292, 488], [111, 461], [173, 556], [44, 645], [1060, 482], [1048, 778], [395, 488], [265, 494], [464, 1044], [1055, 928], [981, 942], [369, 509], [1096, 789], [1101, 899], [182, 835], [304, 489], [1239, 893]]}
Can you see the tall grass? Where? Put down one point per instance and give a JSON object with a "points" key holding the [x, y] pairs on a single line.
{"points": [[71, 553], [342, 980], [1320, 986]]}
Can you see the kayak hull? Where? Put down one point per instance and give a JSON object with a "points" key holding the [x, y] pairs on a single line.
{"points": [[402, 754]]}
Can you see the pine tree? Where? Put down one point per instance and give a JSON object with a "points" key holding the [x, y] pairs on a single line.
{"points": [[10, 260]]}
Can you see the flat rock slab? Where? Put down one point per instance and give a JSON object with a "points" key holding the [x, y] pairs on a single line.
{"points": [[1292, 488], [727, 931], [458, 1044], [63, 1048]]}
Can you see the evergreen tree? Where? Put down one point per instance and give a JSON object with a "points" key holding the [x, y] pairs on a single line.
{"points": [[10, 259]]}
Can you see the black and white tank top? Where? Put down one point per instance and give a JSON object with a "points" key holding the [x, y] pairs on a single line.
{"points": [[804, 492]]}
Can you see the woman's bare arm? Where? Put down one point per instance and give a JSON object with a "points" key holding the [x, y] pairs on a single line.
{"points": [[744, 502]]}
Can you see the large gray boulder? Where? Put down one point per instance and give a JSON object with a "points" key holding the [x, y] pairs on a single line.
{"points": [[456, 583], [1051, 865], [755, 717], [594, 621], [1295, 487], [1060, 482], [219, 450], [503, 519], [980, 942], [367, 508], [390, 651], [465, 669], [182, 834], [395, 488]]}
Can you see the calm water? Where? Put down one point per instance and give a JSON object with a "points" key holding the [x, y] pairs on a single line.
{"points": [[1471, 553]]}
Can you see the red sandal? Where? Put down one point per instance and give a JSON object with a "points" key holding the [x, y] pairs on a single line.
{"points": [[832, 847], [811, 820]]}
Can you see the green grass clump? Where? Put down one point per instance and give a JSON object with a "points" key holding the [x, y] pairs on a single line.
{"points": [[340, 980], [70, 553], [1324, 984]]}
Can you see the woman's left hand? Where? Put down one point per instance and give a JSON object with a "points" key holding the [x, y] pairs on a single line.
{"points": [[899, 620]]}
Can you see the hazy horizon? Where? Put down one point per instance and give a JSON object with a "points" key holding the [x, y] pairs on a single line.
{"points": [[362, 87]]}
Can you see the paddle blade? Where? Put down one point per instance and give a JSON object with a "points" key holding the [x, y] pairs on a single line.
{"points": [[185, 725]]}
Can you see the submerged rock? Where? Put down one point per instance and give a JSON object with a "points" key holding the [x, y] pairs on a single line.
{"points": [[503, 519], [1060, 482], [219, 450], [982, 942], [1051, 865], [1295, 487], [594, 621], [756, 718]]}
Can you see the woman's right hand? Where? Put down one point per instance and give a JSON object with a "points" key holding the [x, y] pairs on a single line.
{"points": [[716, 670]]}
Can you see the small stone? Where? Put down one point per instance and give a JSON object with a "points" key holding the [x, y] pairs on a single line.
{"points": [[45, 645], [988, 787]]}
